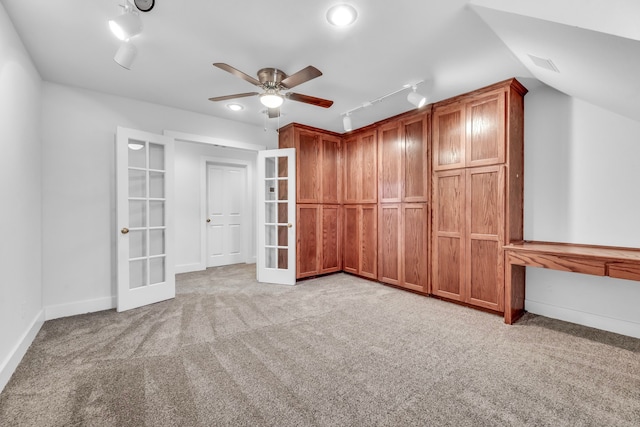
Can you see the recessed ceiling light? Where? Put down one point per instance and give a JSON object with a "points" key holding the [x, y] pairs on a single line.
{"points": [[235, 107], [342, 15]]}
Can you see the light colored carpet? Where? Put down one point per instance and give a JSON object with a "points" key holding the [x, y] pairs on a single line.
{"points": [[331, 351]]}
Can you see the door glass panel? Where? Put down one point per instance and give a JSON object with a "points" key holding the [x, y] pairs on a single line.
{"points": [[137, 183], [270, 257], [156, 185], [282, 167], [137, 273], [270, 235], [156, 213], [283, 235], [283, 259], [156, 157], [156, 270], [283, 213], [156, 242], [283, 185], [270, 213], [270, 167], [270, 189], [137, 154], [137, 243], [137, 213]]}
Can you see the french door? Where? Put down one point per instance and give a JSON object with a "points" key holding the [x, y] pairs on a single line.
{"points": [[144, 175], [277, 216]]}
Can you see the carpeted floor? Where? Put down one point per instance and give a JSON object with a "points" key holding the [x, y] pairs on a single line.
{"points": [[331, 351]]}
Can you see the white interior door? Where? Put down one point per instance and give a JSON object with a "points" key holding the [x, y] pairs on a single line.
{"points": [[226, 190], [144, 174], [277, 216]]}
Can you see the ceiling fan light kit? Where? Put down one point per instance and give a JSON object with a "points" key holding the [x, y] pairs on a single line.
{"points": [[342, 15], [271, 99]]}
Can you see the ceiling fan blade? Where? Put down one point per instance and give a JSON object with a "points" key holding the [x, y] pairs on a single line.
{"points": [[228, 68], [237, 95], [301, 76], [273, 112], [324, 103]]}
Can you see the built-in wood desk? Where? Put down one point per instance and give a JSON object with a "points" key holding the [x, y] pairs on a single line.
{"points": [[621, 263]]}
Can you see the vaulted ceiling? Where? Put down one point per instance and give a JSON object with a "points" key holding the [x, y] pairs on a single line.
{"points": [[453, 45]]}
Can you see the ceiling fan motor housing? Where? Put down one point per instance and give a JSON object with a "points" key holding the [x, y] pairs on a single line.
{"points": [[271, 78]]}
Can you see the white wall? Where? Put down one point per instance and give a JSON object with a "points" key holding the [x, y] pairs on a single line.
{"points": [[79, 271], [20, 200], [189, 191], [582, 172]]}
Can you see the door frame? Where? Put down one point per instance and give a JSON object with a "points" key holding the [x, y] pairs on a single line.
{"points": [[248, 204]]}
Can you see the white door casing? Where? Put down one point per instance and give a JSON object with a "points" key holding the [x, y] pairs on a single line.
{"points": [[226, 216], [145, 182], [276, 171]]}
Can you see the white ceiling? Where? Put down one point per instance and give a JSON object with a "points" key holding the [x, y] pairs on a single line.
{"points": [[453, 47]]}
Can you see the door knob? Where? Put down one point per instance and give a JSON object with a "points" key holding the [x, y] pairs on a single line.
{"points": [[208, 219], [289, 225], [124, 230]]}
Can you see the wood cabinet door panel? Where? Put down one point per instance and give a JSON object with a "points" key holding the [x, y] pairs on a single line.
{"points": [[447, 280], [308, 255], [369, 175], [448, 137], [330, 170], [331, 239], [351, 239], [308, 182], [416, 160], [485, 273], [390, 235], [369, 241], [486, 130], [415, 223], [390, 151], [352, 170]]}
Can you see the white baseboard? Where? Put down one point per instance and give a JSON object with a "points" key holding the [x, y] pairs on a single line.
{"points": [[9, 365], [188, 268], [79, 307], [618, 326]]}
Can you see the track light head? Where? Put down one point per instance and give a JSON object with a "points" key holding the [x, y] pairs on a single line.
{"points": [[126, 25], [346, 123], [125, 55], [416, 99]]}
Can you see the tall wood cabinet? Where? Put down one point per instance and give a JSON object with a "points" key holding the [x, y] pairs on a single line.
{"points": [[360, 167], [318, 198], [478, 166], [403, 194]]}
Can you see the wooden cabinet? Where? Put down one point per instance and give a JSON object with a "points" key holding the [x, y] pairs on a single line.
{"points": [[360, 170], [470, 131], [318, 163], [360, 240], [319, 239], [477, 192], [403, 245], [403, 159]]}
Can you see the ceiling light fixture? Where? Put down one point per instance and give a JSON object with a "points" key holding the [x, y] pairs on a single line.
{"points": [[126, 25], [126, 54], [342, 15], [271, 99], [235, 107], [346, 122], [415, 98]]}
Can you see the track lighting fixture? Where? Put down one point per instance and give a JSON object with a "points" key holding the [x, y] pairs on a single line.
{"points": [[346, 123], [126, 55], [126, 25], [415, 98]]}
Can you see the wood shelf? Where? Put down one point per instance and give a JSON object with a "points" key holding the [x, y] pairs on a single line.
{"points": [[616, 262]]}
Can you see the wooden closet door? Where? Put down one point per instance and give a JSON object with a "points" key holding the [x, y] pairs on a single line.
{"points": [[351, 239], [330, 172], [308, 171], [352, 170], [416, 168], [448, 137], [485, 139], [485, 236], [415, 258], [390, 152], [331, 229], [390, 237], [369, 167], [369, 241], [448, 234], [308, 239]]}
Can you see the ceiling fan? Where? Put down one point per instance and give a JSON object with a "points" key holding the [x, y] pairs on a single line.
{"points": [[273, 81]]}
